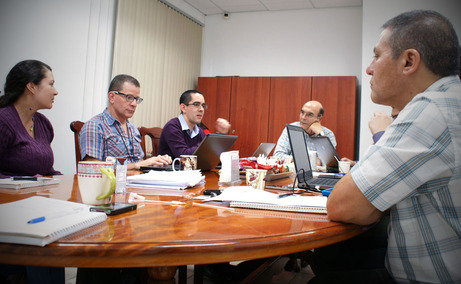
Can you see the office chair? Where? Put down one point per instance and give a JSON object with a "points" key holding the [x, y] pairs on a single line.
{"points": [[154, 134]]}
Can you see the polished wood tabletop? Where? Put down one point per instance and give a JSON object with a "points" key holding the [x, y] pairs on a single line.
{"points": [[166, 233]]}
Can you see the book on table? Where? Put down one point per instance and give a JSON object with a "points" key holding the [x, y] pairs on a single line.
{"points": [[248, 197], [39, 220], [26, 182]]}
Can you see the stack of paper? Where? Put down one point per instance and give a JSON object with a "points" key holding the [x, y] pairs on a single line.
{"points": [[168, 179]]}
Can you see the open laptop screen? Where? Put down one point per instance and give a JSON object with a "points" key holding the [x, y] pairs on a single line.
{"points": [[264, 149], [299, 152], [209, 151], [326, 151]]}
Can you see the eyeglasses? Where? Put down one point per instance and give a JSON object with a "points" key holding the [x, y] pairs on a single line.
{"points": [[129, 98], [198, 105]]}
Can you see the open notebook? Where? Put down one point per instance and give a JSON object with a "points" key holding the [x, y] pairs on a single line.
{"points": [[39, 220]]}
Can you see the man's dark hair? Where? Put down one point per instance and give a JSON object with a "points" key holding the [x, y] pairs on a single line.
{"points": [[119, 80], [321, 112], [431, 34], [186, 97]]}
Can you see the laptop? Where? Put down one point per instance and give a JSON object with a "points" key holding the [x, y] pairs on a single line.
{"points": [[264, 149], [208, 153], [327, 153], [306, 180]]}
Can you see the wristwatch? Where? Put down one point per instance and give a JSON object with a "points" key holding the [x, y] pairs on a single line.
{"points": [[322, 133]]}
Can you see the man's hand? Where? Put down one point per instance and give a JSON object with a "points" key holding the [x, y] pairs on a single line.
{"points": [[315, 128], [379, 122], [222, 126], [349, 160], [153, 161]]}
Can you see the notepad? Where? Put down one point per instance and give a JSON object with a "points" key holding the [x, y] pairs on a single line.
{"points": [[61, 218], [248, 197], [18, 184]]}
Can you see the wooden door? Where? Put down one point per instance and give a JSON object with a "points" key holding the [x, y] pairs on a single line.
{"points": [[287, 96], [217, 92], [249, 114], [338, 96]]}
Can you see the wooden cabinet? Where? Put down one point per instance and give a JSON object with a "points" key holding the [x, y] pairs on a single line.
{"points": [[339, 100], [258, 108], [287, 96]]}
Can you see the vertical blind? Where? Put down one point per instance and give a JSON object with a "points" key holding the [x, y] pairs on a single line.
{"points": [[161, 48]]}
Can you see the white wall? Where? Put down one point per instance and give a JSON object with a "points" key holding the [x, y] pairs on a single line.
{"points": [[284, 43], [60, 33], [320, 42], [370, 35]]}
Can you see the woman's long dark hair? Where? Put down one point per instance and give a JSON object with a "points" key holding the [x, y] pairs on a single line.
{"points": [[19, 76]]}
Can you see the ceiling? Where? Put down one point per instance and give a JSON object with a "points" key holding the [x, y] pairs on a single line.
{"points": [[211, 7]]}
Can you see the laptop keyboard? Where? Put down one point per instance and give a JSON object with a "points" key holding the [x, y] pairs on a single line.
{"points": [[318, 182]]}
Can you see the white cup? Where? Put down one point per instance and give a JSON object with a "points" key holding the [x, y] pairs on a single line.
{"points": [[313, 160], [344, 166], [96, 181], [187, 162]]}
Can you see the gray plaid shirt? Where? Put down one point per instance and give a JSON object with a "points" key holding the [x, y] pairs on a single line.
{"points": [[283, 148]]}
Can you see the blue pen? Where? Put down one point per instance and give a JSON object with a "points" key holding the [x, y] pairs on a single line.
{"points": [[36, 220], [54, 215]]}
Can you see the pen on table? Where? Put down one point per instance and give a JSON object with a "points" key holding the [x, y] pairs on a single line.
{"points": [[54, 215], [36, 220], [285, 195]]}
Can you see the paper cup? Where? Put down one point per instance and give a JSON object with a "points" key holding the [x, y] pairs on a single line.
{"points": [[92, 182], [344, 167], [256, 178]]}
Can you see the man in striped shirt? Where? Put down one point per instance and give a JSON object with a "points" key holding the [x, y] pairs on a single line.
{"points": [[111, 134], [414, 170]]}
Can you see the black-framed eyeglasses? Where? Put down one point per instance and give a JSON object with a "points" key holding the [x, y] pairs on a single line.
{"points": [[198, 105], [129, 98]]}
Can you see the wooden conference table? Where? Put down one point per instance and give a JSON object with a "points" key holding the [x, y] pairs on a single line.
{"points": [[162, 233]]}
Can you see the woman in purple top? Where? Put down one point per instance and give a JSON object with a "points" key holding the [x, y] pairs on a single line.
{"points": [[25, 134], [25, 137]]}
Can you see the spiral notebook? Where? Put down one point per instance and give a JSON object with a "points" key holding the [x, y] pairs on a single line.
{"points": [[248, 197], [39, 220]]}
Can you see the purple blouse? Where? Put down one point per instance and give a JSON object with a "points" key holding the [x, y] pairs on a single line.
{"points": [[20, 154]]}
